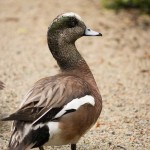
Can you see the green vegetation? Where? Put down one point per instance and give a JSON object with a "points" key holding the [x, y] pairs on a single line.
{"points": [[142, 5]]}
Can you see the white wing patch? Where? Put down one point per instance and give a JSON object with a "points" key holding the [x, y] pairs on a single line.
{"points": [[55, 137], [53, 128], [76, 103]]}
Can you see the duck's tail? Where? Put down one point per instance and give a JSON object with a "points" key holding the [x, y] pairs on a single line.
{"points": [[25, 136], [17, 141], [1, 85]]}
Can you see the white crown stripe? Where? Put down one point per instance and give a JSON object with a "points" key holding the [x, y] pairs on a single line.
{"points": [[72, 14], [76, 103]]}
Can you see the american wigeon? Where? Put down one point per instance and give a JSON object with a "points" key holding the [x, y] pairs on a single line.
{"points": [[58, 110], [1, 85]]}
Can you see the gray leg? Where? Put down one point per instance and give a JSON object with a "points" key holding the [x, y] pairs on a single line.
{"points": [[73, 146], [41, 148]]}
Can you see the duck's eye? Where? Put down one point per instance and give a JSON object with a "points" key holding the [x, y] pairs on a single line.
{"points": [[72, 22]]}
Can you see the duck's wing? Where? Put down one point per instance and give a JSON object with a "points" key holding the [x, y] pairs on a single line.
{"points": [[50, 98], [47, 102], [1, 85]]}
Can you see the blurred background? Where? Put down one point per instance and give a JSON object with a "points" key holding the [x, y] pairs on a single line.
{"points": [[119, 60]]}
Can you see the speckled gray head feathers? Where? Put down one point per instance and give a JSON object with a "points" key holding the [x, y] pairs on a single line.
{"points": [[62, 34], [68, 26]]}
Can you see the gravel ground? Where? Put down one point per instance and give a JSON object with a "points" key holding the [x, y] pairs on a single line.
{"points": [[120, 61]]}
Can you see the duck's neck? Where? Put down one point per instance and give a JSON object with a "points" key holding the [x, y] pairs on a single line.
{"points": [[70, 60]]}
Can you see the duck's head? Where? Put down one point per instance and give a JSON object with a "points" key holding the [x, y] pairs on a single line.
{"points": [[62, 34], [69, 27]]}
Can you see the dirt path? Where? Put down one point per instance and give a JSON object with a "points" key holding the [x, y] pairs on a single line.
{"points": [[120, 62]]}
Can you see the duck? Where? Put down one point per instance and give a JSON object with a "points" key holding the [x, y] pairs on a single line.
{"points": [[58, 110], [1, 85]]}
